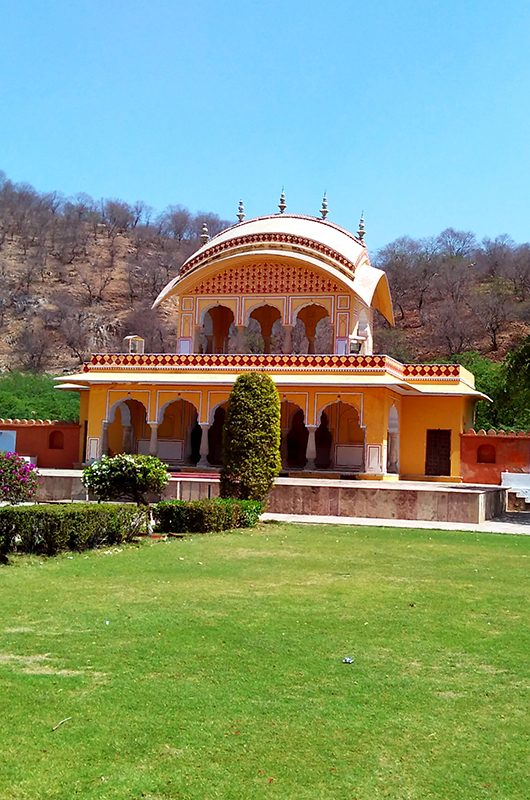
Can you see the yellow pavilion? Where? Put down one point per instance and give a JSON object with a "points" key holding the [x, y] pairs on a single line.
{"points": [[293, 296]]}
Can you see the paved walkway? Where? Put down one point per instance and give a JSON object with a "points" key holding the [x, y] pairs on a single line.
{"points": [[513, 523]]}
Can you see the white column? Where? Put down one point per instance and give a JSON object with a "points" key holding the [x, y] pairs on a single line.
{"points": [[241, 338], [104, 438], [393, 452], [203, 451], [288, 339], [126, 441], [153, 443], [283, 447], [311, 450]]}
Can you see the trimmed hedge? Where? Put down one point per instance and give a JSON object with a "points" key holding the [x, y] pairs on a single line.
{"points": [[202, 516], [49, 529]]}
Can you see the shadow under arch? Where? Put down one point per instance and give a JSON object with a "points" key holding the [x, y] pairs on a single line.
{"points": [[179, 433], [310, 315], [266, 316], [340, 438], [294, 436], [215, 436], [127, 428], [216, 323]]}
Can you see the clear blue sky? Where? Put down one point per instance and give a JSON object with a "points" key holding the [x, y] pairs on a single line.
{"points": [[416, 111]]}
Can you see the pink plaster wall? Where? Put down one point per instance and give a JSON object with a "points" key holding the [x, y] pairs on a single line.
{"points": [[33, 439], [512, 454]]}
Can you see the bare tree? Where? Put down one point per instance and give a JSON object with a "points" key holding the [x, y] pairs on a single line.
{"points": [[493, 307], [175, 222], [456, 244], [94, 278], [454, 333], [518, 272], [34, 345], [151, 326]]}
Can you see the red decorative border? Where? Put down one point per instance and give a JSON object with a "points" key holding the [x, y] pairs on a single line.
{"points": [[431, 370], [273, 362], [259, 238], [236, 360]]}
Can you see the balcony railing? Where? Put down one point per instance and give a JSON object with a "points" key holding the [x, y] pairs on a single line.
{"points": [[236, 362]]}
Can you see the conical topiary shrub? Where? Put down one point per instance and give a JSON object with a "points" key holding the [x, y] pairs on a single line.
{"points": [[251, 438]]}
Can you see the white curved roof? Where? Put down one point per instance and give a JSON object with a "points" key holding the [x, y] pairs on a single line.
{"points": [[312, 229], [317, 241]]}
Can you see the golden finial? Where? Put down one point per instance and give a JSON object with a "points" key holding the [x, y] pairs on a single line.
{"points": [[324, 209], [360, 231]]}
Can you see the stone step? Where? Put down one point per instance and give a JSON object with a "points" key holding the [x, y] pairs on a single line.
{"points": [[516, 502]]}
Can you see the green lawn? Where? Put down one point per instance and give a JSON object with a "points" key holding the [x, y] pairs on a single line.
{"points": [[212, 668]]}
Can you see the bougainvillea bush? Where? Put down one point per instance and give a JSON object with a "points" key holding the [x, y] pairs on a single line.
{"points": [[125, 476], [18, 479]]}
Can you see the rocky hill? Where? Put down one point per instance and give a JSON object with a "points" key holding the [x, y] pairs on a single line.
{"points": [[77, 276]]}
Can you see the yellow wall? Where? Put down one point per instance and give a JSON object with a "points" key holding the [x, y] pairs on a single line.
{"points": [[83, 418], [418, 415]]}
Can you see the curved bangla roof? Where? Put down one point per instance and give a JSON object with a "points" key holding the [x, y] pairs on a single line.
{"points": [[320, 244]]}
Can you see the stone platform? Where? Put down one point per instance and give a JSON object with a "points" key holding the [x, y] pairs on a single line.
{"points": [[405, 500]]}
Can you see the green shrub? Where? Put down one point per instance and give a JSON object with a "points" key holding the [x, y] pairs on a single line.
{"points": [[128, 477], [250, 512], [201, 516], [251, 438], [49, 529], [30, 396], [18, 479]]}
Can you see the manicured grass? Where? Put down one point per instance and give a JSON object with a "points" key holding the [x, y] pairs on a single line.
{"points": [[212, 668]]}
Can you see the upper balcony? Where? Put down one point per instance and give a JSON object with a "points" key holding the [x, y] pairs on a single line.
{"points": [[276, 363]]}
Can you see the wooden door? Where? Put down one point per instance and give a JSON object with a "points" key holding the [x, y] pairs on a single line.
{"points": [[438, 452]]}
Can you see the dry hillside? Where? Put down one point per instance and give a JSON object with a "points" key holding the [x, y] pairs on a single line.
{"points": [[77, 276]]}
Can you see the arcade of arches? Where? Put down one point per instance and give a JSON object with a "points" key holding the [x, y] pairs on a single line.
{"points": [[265, 332], [336, 442]]}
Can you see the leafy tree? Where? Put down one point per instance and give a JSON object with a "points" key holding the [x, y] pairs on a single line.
{"points": [[508, 385], [516, 370], [489, 380], [30, 396], [251, 438], [125, 476]]}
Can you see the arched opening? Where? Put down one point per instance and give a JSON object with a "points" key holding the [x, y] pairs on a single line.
{"points": [[392, 442], [216, 330], [339, 439], [486, 454], [128, 431], [294, 436], [324, 336], [56, 440], [266, 316], [310, 316], [215, 436], [179, 433]]}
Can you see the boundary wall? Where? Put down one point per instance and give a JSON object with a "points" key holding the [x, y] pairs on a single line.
{"points": [[484, 455], [49, 443]]}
